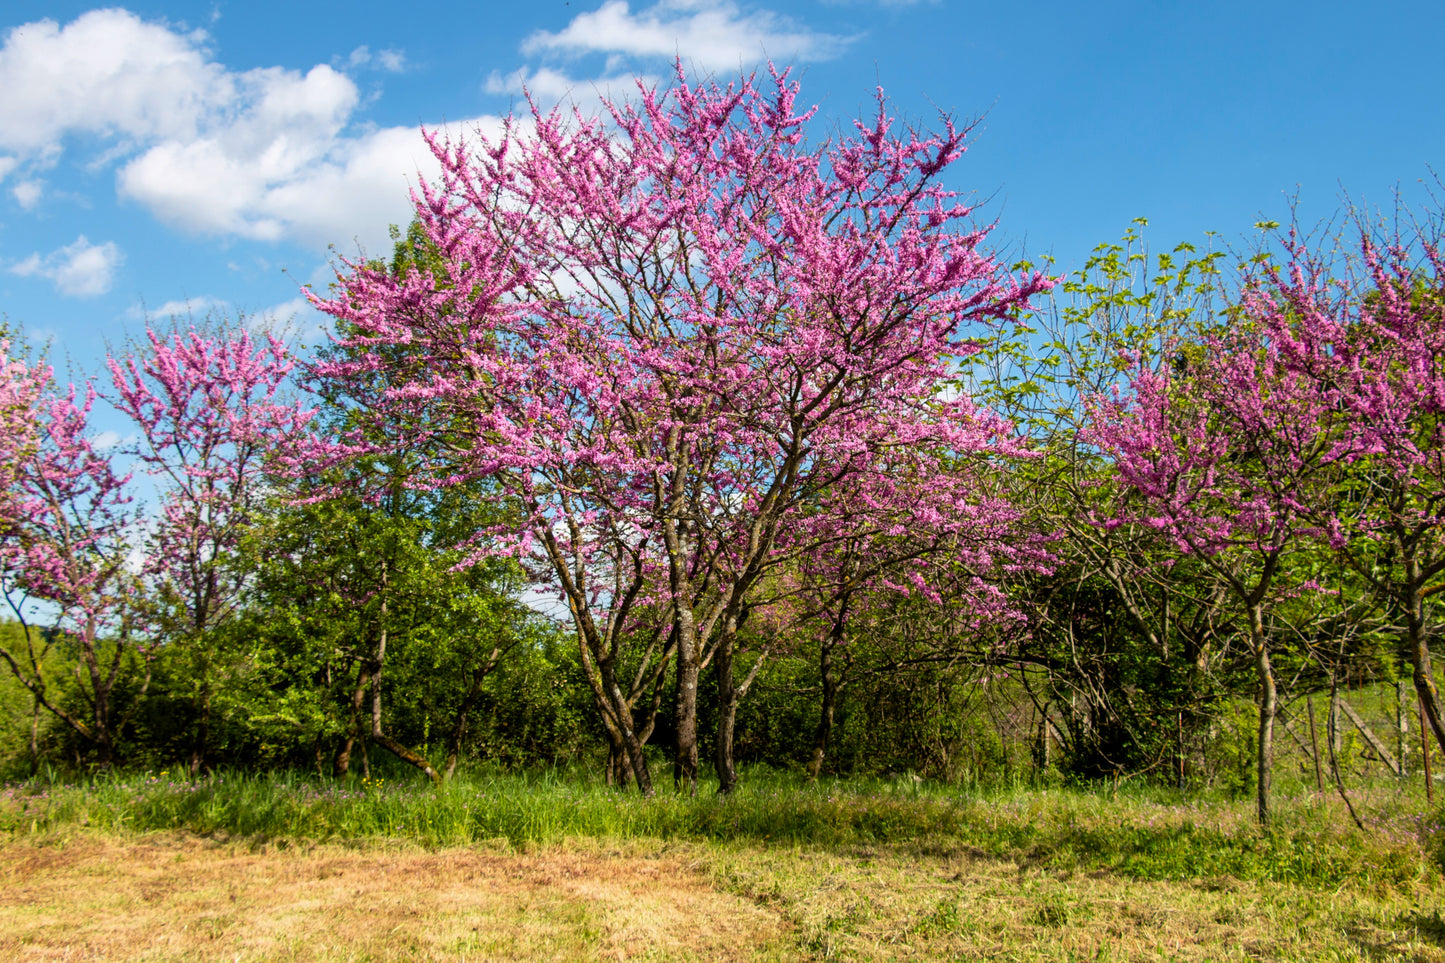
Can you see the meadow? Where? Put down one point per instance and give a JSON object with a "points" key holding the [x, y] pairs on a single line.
{"points": [[554, 865]]}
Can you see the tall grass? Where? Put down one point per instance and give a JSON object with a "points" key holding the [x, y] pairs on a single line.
{"points": [[1145, 833]]}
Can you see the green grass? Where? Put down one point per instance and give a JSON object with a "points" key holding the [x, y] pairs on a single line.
{"points": [[1143, 833]]}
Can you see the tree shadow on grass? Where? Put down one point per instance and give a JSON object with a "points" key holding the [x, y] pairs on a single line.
{"points": [[1430, 927], [1419, 927]]}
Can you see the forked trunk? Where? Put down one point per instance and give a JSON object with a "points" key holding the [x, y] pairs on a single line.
{"points": [[620, 712], [730, 693], [342, 764], [469, 702]]}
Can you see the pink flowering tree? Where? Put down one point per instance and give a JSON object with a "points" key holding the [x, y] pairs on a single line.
{"points": [[863, 551], [65, 544], [662, 332], [210, 409], [20, 388], [1230, 452], [1366, 327]]}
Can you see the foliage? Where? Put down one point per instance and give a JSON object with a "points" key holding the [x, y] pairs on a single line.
{"points": [[665, 336], [64, 543]]}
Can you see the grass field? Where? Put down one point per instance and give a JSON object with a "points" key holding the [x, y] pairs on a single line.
{"points": [[548, 867]]}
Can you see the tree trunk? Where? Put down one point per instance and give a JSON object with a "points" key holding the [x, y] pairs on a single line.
{"points": [[823, 734], [407, 755], [615, 773], [625, 755], [377, 734], [1335, 748], [100, 692], [1314, 743], [727, 710], [727, 723], [469, 702], [689, 665], [34, 736], [637, 761], [831, 686], [342, 765], [1418, 646], [1425, 760], [672, 501], [203, 730], [621, 713], [1268, 705], [1402, 729]]}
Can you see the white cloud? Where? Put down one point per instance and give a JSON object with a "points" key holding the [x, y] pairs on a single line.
{"points": [[547, 86], [714, 34], [265, 154], [291, 319], [107, 72], [392, 61], [108, 440], [27, 193], [217, 182], [79, 270], [183, 308]]}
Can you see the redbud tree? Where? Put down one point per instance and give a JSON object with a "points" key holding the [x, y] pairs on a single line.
{"points": [[65, 541], [664, 330], [210, 409], [1364, 323], [1231, 453], [861, 551], [20, 388]]}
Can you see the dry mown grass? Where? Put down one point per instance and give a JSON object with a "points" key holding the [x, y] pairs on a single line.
{"points": [[174, 897], [953, 904], [169, 896]]}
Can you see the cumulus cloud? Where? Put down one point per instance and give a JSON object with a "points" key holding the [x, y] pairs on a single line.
{"points": [[107, 72], [276, 154], [217, 182], [27, 193], [714, 34], [78, 270], [265, 154]]}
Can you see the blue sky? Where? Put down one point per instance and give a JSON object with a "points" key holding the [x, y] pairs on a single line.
{"points": [[211, 153]]}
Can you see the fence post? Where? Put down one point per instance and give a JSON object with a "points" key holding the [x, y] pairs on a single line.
{"points": [[1402, 725], [1425, 754], [1314, 742], [1335, 734]]}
